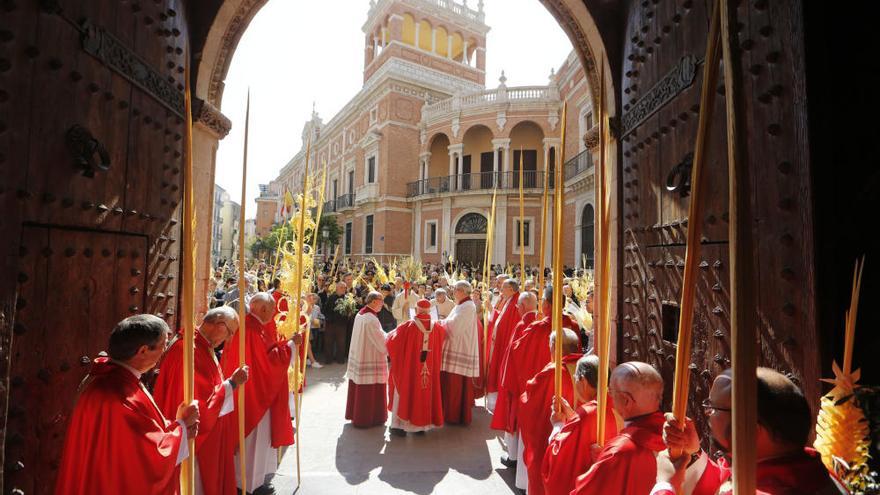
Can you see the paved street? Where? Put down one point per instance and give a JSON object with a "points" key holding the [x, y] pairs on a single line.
{"points": [[339, 459]]}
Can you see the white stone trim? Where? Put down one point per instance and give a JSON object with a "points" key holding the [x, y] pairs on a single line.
{"points": [[530, 221], [427, 231]]}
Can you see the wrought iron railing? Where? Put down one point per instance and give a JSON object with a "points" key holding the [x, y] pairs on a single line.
{"points": [[345, 201], [581, 162], [329, 206], [485, 181]]}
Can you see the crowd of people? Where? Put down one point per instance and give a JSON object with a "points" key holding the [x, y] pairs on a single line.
{"points": [[423, 348]]}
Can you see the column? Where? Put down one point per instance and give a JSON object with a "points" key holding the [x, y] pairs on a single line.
{"points": [[384, 43], [449, 46], [546, 162], [418, 29], [451, 178], [375, 46], [464, 58], [434, 40], [455, 165], [494, 164]]}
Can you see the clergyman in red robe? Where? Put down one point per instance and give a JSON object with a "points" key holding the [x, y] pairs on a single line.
{"points": [[575, 431], [414, 349], [215, 472], [502, 321], [504, 416], [785, 466], [118, 441], [267, 424], [626, 465], [528, 355], [535, 407]]}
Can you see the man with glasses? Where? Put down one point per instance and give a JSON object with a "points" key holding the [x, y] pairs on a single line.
{"points": [[784, 464], [215, 472], [627, 464]]}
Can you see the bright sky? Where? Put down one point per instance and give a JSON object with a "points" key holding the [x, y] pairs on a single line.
{"points": [[297, 52]]}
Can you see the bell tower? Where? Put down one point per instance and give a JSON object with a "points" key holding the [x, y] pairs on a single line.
{"points": [[440, 37]]}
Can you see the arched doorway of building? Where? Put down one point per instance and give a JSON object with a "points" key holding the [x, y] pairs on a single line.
{"points": [[587, 230], [470, 239]]}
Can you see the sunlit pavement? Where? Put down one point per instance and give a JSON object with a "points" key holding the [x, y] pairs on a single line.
{"points": [[339, 459]]}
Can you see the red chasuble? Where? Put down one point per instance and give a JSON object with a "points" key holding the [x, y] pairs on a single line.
{"points": [[213, 450], [528, 355], [568, 454], [118, 441], [500, 332], [504, 415], [802, 474], [266, 389], [627, 464], [479, 383], [415, 371], [534, 416]]}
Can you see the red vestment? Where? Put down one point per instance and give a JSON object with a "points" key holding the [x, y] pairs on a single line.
{"points": [[118, 441], [528, 355], [569, 454], [214, 452], [504, 415], [479, 383], [798, 474], [627, 464], [500, 331], [415, 375], [534, 416], [267, 388], [802, 474]]}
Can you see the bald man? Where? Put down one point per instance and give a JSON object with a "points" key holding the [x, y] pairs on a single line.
{"points": [[785, 465], [267, 411], [504, 416], [534, 421], [627, 464]]}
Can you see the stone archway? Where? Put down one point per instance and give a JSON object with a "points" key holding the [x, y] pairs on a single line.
{"points": [[216, 45]]}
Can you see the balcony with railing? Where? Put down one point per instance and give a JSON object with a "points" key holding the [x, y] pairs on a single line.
{"points": [[582, 162], [344, 201], [329, 207], [525, 95], [476, 182]]}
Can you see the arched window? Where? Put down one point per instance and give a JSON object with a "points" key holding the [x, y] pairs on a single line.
{"points": [[587, 230], [426, 34], [472, 223], [408, 32], [441, 41]]}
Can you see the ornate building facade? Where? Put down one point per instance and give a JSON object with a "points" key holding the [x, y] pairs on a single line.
{"points": [[413, 158]]}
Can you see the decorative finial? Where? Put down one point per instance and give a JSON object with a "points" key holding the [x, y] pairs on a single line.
{"points": [[480, 6], [502, 79], [372, 4]]}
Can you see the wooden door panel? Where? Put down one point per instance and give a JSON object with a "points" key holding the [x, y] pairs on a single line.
{"points": [[74, 292], [658, 129]]}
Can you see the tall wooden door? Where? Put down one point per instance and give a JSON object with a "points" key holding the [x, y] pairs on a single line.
{"points": [[91, 167], [470, 251], [660, 78]]}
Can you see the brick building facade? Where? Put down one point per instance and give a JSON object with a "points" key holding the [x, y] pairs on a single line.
{"points": [[414, 157]]}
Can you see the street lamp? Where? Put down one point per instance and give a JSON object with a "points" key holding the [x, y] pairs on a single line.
{"points": [[325, 232]]}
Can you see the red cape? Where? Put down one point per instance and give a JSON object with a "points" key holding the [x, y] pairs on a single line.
{"points": [[420, 398], [626, 466], [534, 416], [118, 441], [504, 415], [480, 381], [798, 474], [568, 454], [501, 327], [528, 355], [268, 358], [213, 451]]}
